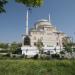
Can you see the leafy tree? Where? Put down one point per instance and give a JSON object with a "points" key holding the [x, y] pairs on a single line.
{"points": [[68, 47], [11, 48], [14, 47], [39, 45], [31, 3], [67, 44], [3, 45], [2, 3], [27, 3]]}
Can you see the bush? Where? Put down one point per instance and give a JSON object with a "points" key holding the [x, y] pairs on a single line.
{"points": [[56, 56], [36, 56], [46, 57]]}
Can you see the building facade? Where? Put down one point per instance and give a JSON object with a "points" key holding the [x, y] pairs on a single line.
{"points": [[47, 33], [43, 30]]}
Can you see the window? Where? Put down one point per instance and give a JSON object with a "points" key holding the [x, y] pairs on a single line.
{"points": [[41, 38], [34, 43], [34, 38], [57, 43]]}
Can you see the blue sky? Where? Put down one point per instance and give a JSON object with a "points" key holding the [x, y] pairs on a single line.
{"points": [[12, 23]]}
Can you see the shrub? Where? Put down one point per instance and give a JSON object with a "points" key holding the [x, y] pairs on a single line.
{"points": [[56, 56]]}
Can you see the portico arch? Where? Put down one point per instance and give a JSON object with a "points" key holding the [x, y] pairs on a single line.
{"points": [[27, 40]]}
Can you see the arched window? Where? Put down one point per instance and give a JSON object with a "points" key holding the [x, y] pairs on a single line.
{"points": [[34, 43], [26, 40], [34, 38]]}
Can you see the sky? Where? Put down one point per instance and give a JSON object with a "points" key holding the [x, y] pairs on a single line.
{"points": [[12, 23]]}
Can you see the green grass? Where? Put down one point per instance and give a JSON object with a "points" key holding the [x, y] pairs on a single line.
{"points": [[37, 67]]}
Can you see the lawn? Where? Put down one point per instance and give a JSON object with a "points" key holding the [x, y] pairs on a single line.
{"points": [[37, 67]]}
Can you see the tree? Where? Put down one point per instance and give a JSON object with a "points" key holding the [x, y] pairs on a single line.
{"points": [[3, 46], [39, 45], [15, 47], [68, 46], [27, 3], [2, 3], [31, 3]]}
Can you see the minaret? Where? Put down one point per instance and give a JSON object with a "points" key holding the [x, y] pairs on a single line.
{"points": [[49, 18], [25, 36], [26, 33]]}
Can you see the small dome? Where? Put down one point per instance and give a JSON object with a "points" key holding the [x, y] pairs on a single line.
{"points": [[43, 22]]}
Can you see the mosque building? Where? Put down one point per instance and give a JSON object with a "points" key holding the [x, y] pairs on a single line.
{"points": [[44, 31]]}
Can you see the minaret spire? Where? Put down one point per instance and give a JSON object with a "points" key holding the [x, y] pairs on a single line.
{"points": [[49, 18], [27, 23]]}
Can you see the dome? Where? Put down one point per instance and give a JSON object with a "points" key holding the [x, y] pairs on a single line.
{"points": [[42, 22]]}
